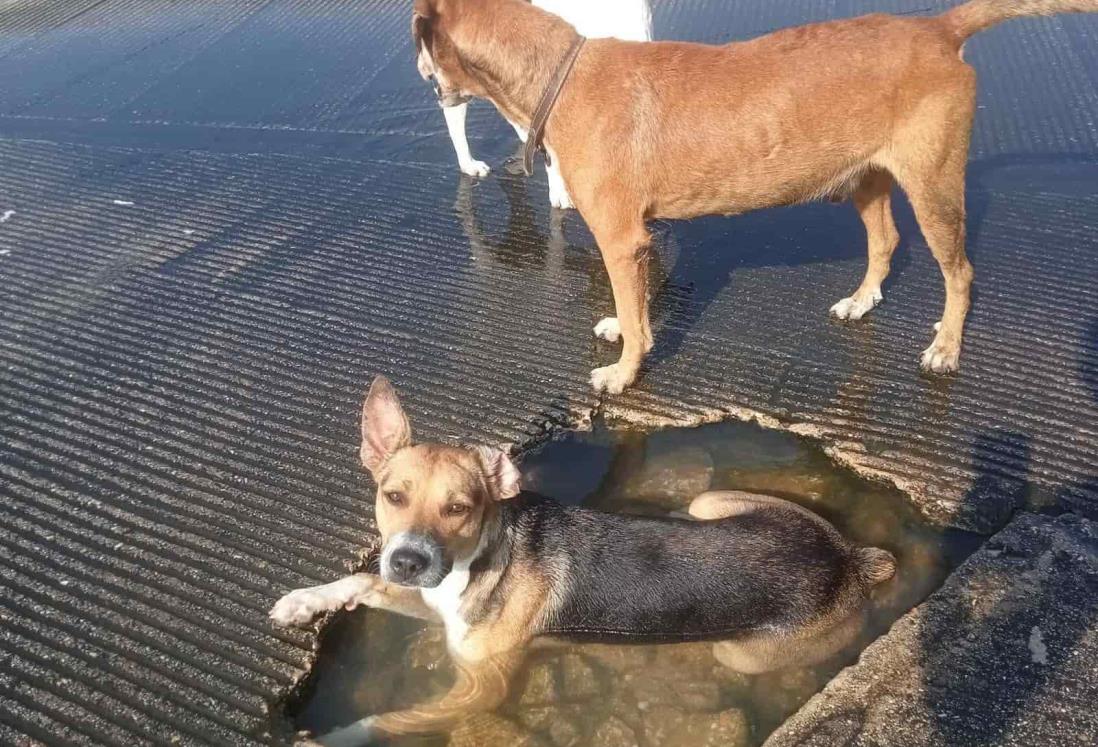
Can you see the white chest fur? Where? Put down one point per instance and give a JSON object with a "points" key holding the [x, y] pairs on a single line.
{"points": [[445, 599]]}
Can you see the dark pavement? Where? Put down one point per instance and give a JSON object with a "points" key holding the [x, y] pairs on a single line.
{"points": [[220, 218]]}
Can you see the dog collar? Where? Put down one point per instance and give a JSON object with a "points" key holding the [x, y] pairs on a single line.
{"points": [[545, 105]]}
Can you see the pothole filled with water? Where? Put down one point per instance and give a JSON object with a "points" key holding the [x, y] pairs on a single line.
{"points": [[675, 695]]}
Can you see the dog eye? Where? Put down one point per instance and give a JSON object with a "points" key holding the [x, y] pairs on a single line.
{"points": [[395, 497], [457, 509]]}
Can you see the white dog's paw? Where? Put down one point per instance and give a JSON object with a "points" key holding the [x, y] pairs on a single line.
{"points": [[941, 358], [560, 199], [474, 168], [299, 607], [855, 307], [612, 379], [608, 329]]}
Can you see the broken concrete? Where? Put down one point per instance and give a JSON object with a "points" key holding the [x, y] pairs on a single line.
{"points": [[1005, 653]]}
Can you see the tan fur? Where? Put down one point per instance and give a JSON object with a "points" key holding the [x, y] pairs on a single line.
{"points": [[677, 130], [973, 17]]}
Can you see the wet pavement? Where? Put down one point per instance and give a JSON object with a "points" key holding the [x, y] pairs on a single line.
{"points": [[219, 219]]}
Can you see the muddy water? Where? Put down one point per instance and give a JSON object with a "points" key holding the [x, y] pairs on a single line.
{"points": [[671, 695]]}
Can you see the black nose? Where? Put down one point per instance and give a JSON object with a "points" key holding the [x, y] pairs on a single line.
{"points": [[406, 563]]}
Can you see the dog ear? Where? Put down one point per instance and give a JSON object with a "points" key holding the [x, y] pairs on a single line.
{"points": [[385, 428], [422, 18], [501, 473]]}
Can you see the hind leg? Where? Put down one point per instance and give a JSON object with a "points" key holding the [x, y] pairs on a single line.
{"points": [[930, 167], [941, 215], [765, 653], [873, 201]]}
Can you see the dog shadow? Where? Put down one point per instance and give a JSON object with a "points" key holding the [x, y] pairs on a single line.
{"points": [[1022, 640]]}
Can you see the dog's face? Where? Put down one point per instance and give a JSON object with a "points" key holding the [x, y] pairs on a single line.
{"points": [[437, 27], [432, 499]]}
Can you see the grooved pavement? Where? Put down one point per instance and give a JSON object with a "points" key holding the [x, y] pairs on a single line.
{"points": [[227, 216]]}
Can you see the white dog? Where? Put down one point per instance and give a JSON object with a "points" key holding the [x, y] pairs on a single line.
{"points": [[630, 20]]}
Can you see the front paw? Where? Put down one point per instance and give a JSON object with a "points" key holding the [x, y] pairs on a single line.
{"points": [[613, 379], [474, 168], [299, 607], [855, 307], [559, 199]]}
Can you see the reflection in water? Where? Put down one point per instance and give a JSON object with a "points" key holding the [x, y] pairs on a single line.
{"points": [[617, 695]]}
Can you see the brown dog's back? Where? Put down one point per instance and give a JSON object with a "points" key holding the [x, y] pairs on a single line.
{"points": [[788, 117]]}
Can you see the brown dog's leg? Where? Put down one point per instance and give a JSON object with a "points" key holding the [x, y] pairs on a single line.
{"points": [[625, 245], [873, 200], [928, 158], [941, 215]]}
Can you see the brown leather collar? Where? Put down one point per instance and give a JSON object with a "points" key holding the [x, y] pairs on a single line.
{"points": [[545, 105]]}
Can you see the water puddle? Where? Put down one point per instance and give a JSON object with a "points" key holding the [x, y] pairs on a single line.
{"points": [[671, 695]]}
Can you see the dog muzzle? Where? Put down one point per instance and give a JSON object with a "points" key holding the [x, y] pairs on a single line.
{"points": [[414, 559]]}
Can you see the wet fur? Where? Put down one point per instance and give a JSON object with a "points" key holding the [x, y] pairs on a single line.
{"points": [[632, 578]]}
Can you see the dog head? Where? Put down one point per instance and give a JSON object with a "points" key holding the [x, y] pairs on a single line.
{"points": [[432, 500], [467, 47], [436, 27]]}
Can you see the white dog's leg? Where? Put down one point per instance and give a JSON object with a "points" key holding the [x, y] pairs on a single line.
{"points": [[558, 193], [519, 130], [455, 123]]}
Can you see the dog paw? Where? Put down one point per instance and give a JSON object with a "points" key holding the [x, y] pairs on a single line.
{"points": [[474, 168], [560, 199], [612, 379], [299, 607], [941, 358], [855, 307], [608, 329]]}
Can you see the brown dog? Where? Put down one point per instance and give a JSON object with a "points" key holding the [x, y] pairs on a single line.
{"points": [[647, 130], [773, 583]]}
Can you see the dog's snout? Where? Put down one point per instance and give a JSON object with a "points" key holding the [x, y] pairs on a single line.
{"points": [[407, 563]]}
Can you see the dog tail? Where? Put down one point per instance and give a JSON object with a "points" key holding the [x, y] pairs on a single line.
{"points": [[875, 565], [977, 15]]}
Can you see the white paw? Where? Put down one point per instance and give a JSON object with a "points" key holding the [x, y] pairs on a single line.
{"points": [[940, 358], [474, 168], [937, 326], [608, 329], [855, 307], [612, 379], [300, 606], [561, 201]]}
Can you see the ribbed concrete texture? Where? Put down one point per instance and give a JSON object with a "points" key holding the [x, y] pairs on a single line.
{"points": [[220, 218]]}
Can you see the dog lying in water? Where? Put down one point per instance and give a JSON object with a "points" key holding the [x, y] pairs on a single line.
{"points": [[772, 582]]}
